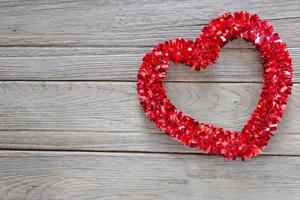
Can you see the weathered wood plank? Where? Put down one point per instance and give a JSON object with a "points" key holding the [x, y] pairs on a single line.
{"points": [[107, 116], [50, 175], [120, 63], [130, 23]]}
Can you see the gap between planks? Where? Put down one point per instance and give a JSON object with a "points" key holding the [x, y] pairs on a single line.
{"points": [[128, 81], [129, 152]]}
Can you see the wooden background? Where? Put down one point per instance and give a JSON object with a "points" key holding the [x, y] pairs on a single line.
{"points": [[70, 122]]}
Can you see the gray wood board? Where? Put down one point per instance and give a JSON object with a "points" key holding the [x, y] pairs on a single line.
{"points": [[120, 63], [67, 89], [103, 116], [129, 23], [91, 176]]}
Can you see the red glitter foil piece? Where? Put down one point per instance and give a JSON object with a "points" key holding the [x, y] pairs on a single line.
{"points": [[199, 54]]}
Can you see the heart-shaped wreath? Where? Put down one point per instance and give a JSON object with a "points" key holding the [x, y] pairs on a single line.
{"points": [[199, 54]]}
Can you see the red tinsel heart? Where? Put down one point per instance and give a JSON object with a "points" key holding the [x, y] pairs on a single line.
{"points": [[199, 54]]}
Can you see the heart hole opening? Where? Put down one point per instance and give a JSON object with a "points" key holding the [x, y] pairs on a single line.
{"points": [[224, 94]]}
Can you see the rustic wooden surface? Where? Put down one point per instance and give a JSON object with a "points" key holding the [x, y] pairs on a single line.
{"points": [[70, 122]]}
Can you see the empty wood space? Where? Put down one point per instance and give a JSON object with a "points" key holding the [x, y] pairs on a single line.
{"points": [[71, 126]]}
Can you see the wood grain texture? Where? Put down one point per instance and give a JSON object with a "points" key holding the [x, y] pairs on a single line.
{"points": [[91, 176], [107, 116], [120, 63], [70, 122], [129, 23]]}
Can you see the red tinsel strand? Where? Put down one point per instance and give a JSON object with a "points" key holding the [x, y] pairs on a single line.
{"points": [[199, 54]]}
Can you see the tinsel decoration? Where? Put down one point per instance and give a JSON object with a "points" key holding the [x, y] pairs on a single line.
{"points": [[199, 54]]}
